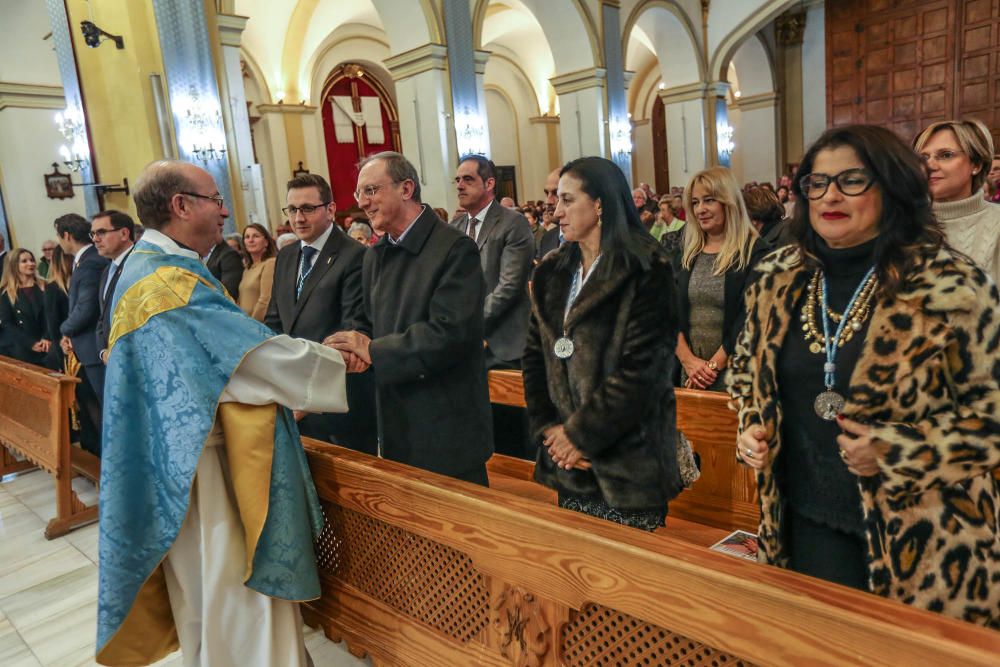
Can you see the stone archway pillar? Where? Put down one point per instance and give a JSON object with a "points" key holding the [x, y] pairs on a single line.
{"points": [[582, 116], [422, 94]]}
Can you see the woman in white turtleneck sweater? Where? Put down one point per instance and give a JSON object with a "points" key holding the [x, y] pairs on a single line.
{"points": [[958, 154]]}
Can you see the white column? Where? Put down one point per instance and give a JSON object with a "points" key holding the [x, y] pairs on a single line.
{"points": [[582, 113], [691, 113], [481, 57], [275, 168], [425, 119], [756, 140], [248, 185]]}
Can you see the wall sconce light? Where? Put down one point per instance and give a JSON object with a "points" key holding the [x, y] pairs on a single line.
{"points": [[725, 140], [470, 135], [75, 152], [201, 134], [92, 35], [621, 138]]}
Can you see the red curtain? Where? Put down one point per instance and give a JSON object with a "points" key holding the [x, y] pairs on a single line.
{"points": [[343, 158]]}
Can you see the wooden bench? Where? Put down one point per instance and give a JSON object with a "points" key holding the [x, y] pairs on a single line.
{"points": [[420, 569], [34, 422], [725, 495]]}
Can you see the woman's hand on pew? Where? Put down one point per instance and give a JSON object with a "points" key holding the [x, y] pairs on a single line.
{"points": [[752, 449], [41, 346], [563, 452]]}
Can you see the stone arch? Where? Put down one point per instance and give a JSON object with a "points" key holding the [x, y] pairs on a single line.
{"points": [[683, 63], [572, 37], [356, 42], [744, 30], [755, 67], [511, 107]]}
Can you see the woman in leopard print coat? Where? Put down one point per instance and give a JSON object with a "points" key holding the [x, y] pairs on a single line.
{"points": [[910, 463]]}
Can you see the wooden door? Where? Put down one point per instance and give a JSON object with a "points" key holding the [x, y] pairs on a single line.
{"points": [[506, 182], [977, 85], [890, 63], [661, 165]]}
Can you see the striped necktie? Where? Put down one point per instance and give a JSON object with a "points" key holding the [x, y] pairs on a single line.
{"points": [[305, 266]]}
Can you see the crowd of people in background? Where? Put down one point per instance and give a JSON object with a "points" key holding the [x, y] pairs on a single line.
{"points": [[851, 313]]}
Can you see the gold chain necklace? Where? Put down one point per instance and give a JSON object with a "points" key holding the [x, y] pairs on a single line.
{"points": [[856, 317]]}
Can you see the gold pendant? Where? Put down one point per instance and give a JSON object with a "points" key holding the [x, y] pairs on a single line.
{"points": [[815, 347]]}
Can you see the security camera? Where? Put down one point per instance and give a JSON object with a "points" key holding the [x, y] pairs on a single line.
{"points": [[92, 35]]}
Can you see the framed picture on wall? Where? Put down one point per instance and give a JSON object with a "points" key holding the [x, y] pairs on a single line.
{"points": [[57, 184]]}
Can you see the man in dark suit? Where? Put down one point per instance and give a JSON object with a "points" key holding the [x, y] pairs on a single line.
{"points": [[113, 233], [79, 330], [552, 239], [317, 291], [506, 253], [227, 266], [424, 293], [506, 250]]}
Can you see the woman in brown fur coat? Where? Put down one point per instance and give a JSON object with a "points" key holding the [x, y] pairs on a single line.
{"points": [[868, 386], [599, 355]]}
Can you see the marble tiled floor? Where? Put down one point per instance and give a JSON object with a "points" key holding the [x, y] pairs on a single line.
{"points": [[48, 588]]}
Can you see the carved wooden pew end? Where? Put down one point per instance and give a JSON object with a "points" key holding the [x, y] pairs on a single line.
{"points": [[34, 423]]}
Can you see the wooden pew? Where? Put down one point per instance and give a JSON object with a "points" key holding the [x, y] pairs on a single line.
{"points": [[419, 569], [34, 422], [725, 495]]}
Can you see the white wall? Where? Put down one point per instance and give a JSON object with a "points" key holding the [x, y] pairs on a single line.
{"points": [[813, 77], [642, 154], [686, 153], [758, 156], [29, 140], [29, 144]]}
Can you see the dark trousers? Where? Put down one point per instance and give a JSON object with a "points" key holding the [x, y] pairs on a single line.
{"points": [[477, 475], [356, 429], [89, 413], [510, 424]]}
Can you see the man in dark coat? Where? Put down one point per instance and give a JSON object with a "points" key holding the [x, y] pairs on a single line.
{"points": [[79, 330], [552, 239], [314, 299], [424, 294], [227, 266], [114, 236]]}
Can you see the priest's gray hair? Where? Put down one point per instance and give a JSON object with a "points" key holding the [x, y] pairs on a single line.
{"points": [[399, 169], [157, 184]]}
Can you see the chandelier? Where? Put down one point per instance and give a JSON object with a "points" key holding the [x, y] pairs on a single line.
{"points": [[202, 132], [75, 152]]}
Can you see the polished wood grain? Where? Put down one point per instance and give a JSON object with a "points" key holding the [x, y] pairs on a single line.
{"points": [[507, 388], [566, 560], [34, 423], [725, 494]]}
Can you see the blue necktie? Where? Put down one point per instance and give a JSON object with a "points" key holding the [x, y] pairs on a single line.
{"points": [[305, 266]]}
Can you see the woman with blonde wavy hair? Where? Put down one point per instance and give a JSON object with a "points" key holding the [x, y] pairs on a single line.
{"points": [[720, 247], [22, 312]]}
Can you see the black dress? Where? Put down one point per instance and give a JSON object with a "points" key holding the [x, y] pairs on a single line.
{"points": [[823, 524], [56, 312], [22, 324]]}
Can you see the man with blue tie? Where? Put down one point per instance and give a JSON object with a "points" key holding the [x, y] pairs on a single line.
{"points": [[79, 330], [113, 233], [316, 292]]}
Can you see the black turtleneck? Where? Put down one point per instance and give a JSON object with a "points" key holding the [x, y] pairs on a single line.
{"points": [[809, 470]]}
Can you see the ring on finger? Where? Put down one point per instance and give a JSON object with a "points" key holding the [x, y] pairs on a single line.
{"points": [[749, 452]]}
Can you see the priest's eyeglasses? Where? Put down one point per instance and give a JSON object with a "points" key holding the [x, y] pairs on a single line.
{"points": [[305, 209], [218, 199], [850, 182]]}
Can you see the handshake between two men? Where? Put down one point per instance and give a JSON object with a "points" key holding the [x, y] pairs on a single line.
{"points": [[354, 347]]}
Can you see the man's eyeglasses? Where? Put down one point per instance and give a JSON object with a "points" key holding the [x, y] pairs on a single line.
{"points": [[850, 182], [941, 156], [370, 190], [305, 209], [218, 199], [99, 233]]}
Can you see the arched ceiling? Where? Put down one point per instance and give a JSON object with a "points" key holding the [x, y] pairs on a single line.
{"points": [[284, 36], [659, 33], [509, 25], [753, 67]]}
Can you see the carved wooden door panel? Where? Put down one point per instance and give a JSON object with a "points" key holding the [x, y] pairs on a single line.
{"points": [[977, 89], [889, 63]]}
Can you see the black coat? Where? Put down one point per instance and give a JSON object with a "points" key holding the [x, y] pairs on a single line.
{"points": [[85, 307], [330, 301], [734, 310], [614, 395], [106, 299], [56, 310], [22, 324], [424, 303], [227, 266]]}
